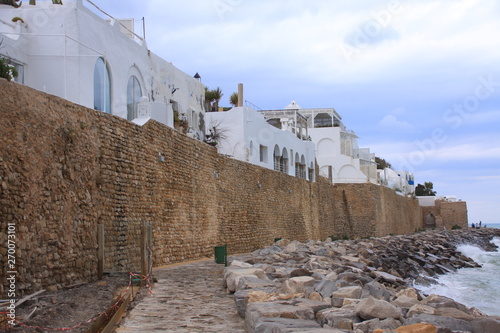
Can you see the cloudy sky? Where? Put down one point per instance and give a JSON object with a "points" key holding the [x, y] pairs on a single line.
{"points": [[418, 81]]}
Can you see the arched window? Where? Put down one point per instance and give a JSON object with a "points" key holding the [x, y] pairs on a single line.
{"points": [[284, 161], [134, 94], [277, 158], [102, 87]]}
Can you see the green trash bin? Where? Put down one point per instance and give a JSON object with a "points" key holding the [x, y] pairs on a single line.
{"points": [[221, 254]]}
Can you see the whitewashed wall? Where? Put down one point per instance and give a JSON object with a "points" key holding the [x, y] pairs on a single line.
{"points": [[60, 44], [247, 130]]}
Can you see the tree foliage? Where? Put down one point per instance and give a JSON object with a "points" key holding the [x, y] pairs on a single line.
{"points": [[382, 164], [212, 98], [233, 99], [425, 190], [7, 71], [13, 3]]}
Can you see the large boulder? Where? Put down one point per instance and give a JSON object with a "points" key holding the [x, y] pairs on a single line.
{"points": [[370, 308], [376, 290], [325, 287], [481, 325], [453, 313], [388, 277], [420, 308], [340, 294], [404, 301], [232, 276], [256, 311], [367, 326], [253, 282], [440, 321], [299, 284], [338, 318], [240, 264], [313, 304], [437, 301], [269, 325], [414, 328]]}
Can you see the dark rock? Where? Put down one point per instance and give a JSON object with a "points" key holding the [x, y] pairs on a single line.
{"points": [[300, 272]]}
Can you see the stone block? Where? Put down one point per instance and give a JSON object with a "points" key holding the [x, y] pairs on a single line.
{"points": [[253, 282], [370, 308], [420, 308], [256, 311], [325, 287], [404, 301], [415, 328], [486, 325], [440, 321], [338, 318], [272, 325]]}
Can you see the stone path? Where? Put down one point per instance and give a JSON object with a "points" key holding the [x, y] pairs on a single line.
{"points": [[188, 297]]}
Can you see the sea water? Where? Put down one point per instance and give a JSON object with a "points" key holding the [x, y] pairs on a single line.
{"points": [[473, 287]]}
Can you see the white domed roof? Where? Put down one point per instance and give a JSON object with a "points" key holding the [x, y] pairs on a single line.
{"points": [[293, 105]]}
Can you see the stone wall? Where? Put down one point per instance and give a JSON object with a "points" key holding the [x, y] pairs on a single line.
{"points": [[66, 169], [447, 214]]}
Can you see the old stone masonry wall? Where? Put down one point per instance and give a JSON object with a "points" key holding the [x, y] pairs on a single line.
{"points": [[65, 169]]}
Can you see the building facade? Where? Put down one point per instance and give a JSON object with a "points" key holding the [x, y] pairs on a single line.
{"points": [[69, 51], [337, 153], [248, 137]]}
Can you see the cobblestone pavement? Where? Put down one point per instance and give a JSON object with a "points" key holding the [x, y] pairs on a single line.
{"points": [[188, 297]]}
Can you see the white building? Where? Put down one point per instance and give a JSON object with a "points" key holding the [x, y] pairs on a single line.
{"points": [[337, 152], [402, 182], [249, 138], [430, 201], [68, 51]]}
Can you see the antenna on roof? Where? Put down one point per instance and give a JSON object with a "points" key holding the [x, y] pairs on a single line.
{"points": [[143, 28]]}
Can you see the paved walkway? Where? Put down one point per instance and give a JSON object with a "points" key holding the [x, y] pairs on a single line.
{"points": [[188, 297]]}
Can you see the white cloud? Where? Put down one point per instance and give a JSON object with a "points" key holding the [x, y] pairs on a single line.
{"points": [[392, 124], [427, 58]]}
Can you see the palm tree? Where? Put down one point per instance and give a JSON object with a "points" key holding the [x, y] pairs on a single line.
{"points": [[13, 3], [425, 190], [209, 99], [217, 96], [233, 100]]}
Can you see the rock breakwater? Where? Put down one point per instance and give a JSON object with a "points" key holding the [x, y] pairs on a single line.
{"points": [[360, 286]]}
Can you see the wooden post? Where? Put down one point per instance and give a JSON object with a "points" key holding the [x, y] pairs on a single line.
{"points": [[100, 251], [144, 250], [148, 242]]}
